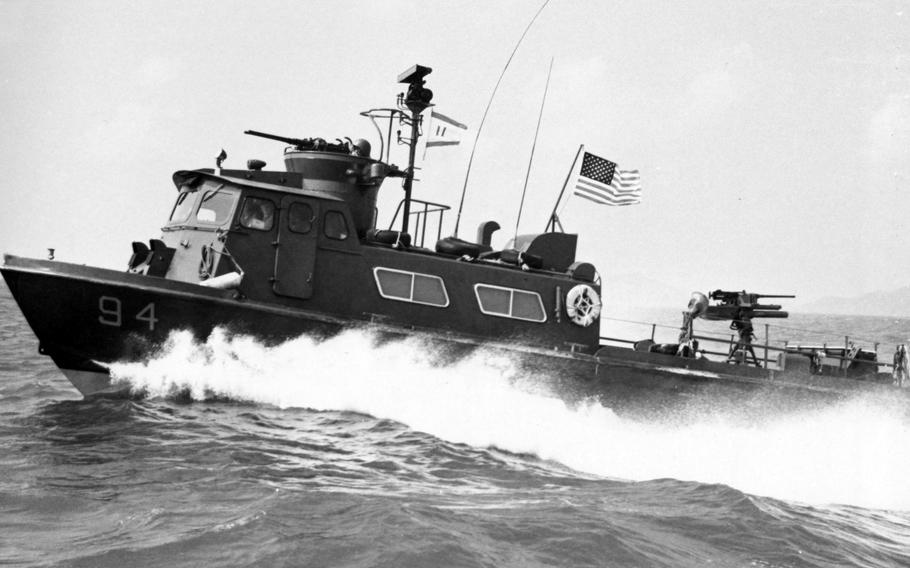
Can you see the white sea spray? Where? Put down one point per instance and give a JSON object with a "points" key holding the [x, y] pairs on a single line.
{"points": [[851, 453]]}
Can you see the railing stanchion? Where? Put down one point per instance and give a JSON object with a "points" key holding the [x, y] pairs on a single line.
{"points": [[844, 362], [767, 342]]}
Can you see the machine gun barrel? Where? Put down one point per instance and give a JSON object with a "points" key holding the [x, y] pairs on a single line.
{"points": [[766, 306], [285, 139], [768, 314], [730, 295], [729, 312]]}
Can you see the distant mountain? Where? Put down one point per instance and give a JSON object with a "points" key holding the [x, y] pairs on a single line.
{"points": [[887, 303]]}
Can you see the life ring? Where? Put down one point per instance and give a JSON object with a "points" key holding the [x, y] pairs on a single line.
{"points": [[582, 305]]}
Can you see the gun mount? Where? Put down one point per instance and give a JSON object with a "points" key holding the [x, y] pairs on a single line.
{"points": [[738, 308], [343, 169], [742, 306], [345, 146]]}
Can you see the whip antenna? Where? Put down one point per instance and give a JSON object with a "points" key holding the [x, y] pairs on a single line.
{"points": [[524, 190], [484, 117]]}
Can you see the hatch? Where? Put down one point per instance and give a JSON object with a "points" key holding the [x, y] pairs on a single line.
{"points": [[295, 247]]}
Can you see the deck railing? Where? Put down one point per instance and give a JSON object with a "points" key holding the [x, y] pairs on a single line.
{"points": [[420, 223], [721, 346]]}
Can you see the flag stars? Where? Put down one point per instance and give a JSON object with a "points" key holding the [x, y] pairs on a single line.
{"points": [[598, 169], [600, 181]]}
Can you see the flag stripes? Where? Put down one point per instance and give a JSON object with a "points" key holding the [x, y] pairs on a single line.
{"points": [[600, 181]]}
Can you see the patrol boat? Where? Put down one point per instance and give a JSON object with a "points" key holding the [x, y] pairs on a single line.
{"points": [[277, 254]]}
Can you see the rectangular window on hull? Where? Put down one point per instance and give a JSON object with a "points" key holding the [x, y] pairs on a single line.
{"points": [[510, 303], [411, 287]]}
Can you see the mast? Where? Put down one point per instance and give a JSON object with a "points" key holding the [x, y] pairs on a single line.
{"points": [[554, 220], [533, 147], [416, 100], [483, 119]]}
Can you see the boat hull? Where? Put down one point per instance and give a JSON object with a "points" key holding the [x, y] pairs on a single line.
{"points": [[87, 318]]}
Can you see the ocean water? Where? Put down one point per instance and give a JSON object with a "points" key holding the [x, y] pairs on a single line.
{"points": [[358, 453]]}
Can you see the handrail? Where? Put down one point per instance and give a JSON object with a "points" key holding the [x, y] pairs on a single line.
{"points": [[820, 333], [757, 346], [421, 222], [729, 340]]}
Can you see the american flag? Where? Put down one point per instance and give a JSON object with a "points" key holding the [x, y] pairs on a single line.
{"points": [[600, 181]]}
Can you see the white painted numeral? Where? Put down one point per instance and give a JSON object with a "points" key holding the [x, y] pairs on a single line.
{"points": [[148, 314], [111, 311]]}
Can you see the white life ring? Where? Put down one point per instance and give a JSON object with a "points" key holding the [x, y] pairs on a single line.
{"points": [[582, 305]]}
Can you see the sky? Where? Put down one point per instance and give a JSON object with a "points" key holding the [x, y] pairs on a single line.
{"points": [[772, 137]]}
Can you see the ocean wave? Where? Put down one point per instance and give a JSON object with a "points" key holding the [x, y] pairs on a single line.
{"points": [[852, 453]]}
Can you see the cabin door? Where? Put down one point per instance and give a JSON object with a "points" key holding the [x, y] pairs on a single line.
{"points": [[295, 250]]}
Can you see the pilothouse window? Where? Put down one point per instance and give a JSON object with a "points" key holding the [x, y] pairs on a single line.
{"points": [[216, 206], [257, 214], [301, 217], [335, 226], [510, 303], [183, 207]]}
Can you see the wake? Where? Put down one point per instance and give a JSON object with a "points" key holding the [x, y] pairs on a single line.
{"points": [[854, 453]]}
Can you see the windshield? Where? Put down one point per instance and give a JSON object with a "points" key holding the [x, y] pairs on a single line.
{"points": [[216, 204], [207, 204], [185, 202]]}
